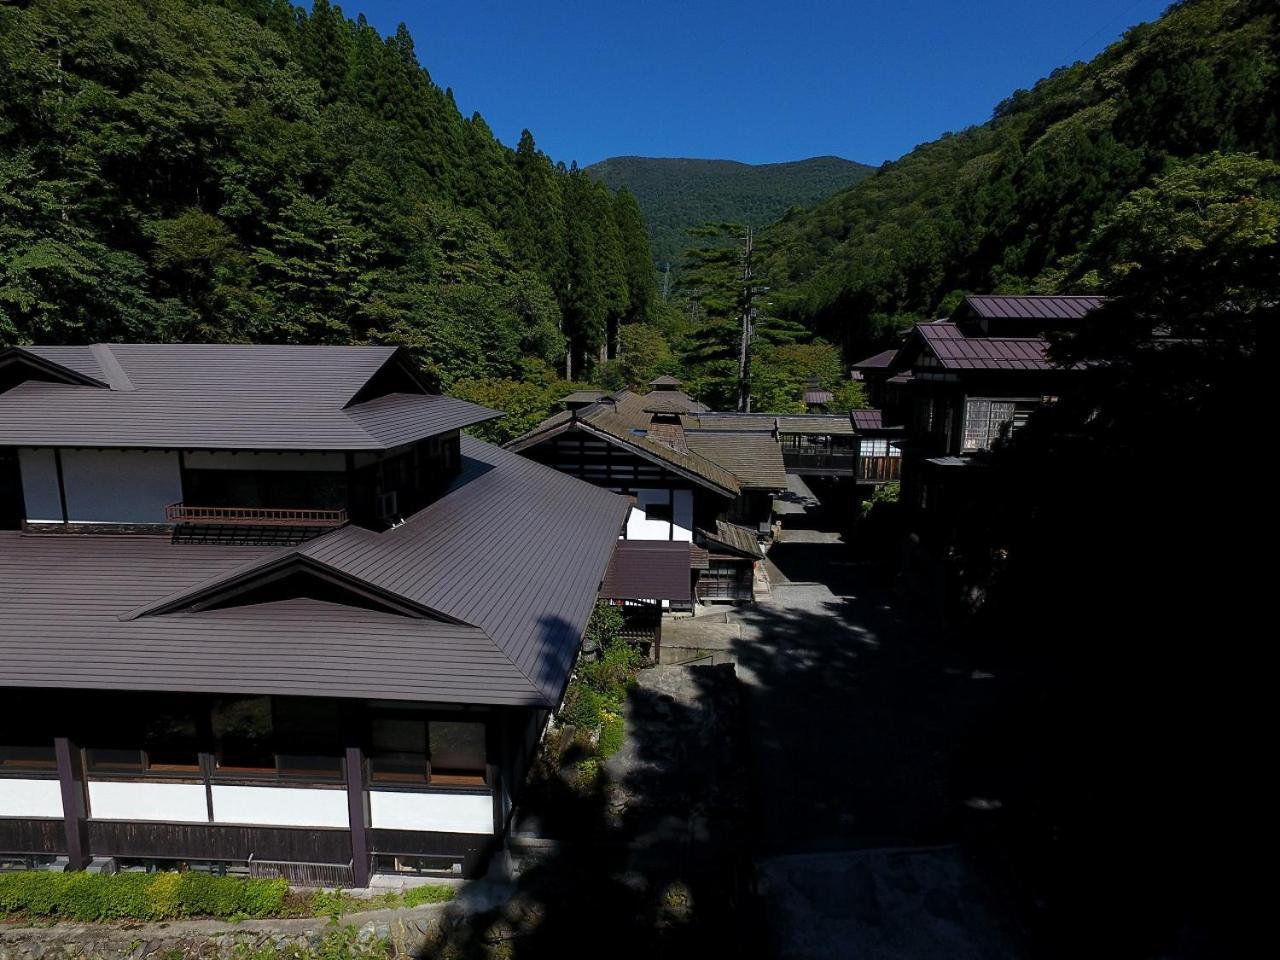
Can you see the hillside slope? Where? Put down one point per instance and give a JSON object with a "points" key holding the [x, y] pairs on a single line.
{"points": [[676, 194], [249, 170], [999, 206]]}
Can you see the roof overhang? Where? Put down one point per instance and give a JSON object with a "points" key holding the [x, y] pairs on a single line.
{"points": [[649, 570]]}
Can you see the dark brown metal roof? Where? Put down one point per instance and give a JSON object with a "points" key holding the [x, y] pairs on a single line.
{"points": [[956, 351], [995, 306], [868, 420], [754, 458], [649, 570], [877, 361], [512, 555], [225, 396], [818, 396]]}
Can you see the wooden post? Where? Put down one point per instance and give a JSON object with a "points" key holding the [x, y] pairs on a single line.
{"points": [[358, 814], [71, 783]]}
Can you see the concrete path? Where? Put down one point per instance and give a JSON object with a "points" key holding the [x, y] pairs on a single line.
{"points": [[852, 718]]}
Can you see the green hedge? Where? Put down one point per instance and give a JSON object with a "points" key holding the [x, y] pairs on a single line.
{"points": [[138, 896]]}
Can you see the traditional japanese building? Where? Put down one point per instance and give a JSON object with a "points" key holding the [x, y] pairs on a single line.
{"points": [[967, 382], [264, 609], [684, 483]]}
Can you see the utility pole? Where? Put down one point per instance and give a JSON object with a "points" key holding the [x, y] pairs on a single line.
{"points": [[748, 326]]}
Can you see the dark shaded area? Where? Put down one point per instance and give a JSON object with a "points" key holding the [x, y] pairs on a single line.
{"points": [[646, 864]]}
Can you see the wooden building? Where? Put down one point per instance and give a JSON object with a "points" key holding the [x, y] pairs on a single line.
{"points": [[964, 384], [264, 609], [682, 481]]}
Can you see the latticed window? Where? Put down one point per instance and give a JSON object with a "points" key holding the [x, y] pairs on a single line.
{"points": [[986, 421]]}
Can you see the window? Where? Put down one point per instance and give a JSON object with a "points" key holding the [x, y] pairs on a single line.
{"points": [[398, 749], [308, 732], [160, 737], [27, 756], [242, 733], [409, 748], [658, 511], [457, 752], [987, 420]]}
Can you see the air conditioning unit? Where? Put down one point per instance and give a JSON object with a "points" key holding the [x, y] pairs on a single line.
{"points": [[388, 506]]}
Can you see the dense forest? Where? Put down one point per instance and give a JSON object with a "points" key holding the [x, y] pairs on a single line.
{"points": [[677, 195], [1000, 207], [251, 170]]}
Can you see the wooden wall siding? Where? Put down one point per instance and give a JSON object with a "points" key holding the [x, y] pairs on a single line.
{"points": [[600, 462], [470, 848], [199, 841], [26, 835]]}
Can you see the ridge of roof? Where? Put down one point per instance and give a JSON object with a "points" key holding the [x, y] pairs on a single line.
{"points": [[227, 396]]}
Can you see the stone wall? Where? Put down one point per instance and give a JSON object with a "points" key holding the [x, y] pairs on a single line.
{"points": [[410, 932]]}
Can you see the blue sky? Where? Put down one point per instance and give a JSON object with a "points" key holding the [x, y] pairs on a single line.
{"points": [[752, 81]]}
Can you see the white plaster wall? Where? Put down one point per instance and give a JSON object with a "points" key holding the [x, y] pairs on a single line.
{"points": [[639, 527], [40, 484], [30, 798], [183, 802], [225, 460], [445, 812], [280, 806], [120, 486]]}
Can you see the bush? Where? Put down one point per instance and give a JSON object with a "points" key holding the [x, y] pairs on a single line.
{"points": [[138, 896]]}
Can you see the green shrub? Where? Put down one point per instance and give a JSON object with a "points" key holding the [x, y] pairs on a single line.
{"points": [[138, 896], [430, 893]]}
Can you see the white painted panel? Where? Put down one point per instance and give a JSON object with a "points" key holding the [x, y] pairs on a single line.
{"points": [[226, 460], [184, 802], [445, 812], [682, 515], [30, 798], [40, 484], [120, 486], [639, 527], [280, 806]]}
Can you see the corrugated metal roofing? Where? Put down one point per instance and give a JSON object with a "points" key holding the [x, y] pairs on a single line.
{"points": [[649, 570], [995, 306], [955, 351], [223, 396], [868, 419], [513, 550], [754, 458]]}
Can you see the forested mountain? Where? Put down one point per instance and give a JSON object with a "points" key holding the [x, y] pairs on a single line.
{"points": [[677, 195], [1002, 206], [250, 170]]}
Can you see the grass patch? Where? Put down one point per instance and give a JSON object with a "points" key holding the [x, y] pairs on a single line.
{"points": [[87, 897]]}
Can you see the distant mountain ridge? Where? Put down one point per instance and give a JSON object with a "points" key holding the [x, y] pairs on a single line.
{"points": [[677, 193]]}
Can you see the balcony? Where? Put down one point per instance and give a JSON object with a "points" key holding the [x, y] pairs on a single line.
{"points": [[254, 516], [879, 469], [817, 461]]}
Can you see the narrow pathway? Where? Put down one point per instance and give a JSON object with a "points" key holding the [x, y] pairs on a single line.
{"points": [[853, 721]]}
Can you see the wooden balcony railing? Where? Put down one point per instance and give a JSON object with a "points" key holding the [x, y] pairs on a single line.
{"points": [[257, 516], [796, 459], [880, 469]]}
